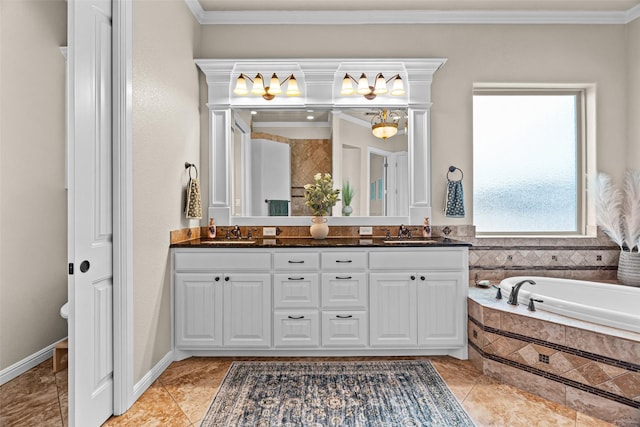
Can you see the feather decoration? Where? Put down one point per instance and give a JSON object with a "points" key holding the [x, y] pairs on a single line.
{"points": [[608, 209], [631, 209]]}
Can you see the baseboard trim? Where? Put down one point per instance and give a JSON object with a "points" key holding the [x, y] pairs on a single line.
{"points": [[141, 386], [27, 363]]}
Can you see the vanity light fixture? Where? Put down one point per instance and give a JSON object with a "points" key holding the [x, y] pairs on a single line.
{"points": [[385, 124], [267, 92], [370, 92]]}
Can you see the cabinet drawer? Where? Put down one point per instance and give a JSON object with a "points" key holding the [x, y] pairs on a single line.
{"points": [[299, 328], [344, 260], [341, 290], [295, 290], [430, 259], [202, 261], [296, 261], [344, 329]]}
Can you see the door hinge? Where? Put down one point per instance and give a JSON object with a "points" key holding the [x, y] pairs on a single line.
{"points": [[70, 268]]}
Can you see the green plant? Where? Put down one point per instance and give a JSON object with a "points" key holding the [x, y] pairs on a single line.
{"points": [[321, 196], [347, 193]]}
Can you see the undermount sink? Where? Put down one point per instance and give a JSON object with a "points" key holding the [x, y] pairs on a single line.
{"points": [[227, 242], [409, 242]]}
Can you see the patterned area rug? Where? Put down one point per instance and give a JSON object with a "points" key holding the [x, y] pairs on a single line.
{"points": [[386, 393]]}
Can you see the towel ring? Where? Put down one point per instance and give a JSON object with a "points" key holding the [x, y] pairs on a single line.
{"points": [[453, 169], [188, 165]]}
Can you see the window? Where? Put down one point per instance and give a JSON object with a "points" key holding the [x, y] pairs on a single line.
{"points": [[527, 162]]}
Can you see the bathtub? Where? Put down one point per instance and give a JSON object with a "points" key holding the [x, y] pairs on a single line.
{"points": [[606, 304]]}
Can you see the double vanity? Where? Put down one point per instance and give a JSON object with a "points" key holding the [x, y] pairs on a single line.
{"points": [[332, 297]]}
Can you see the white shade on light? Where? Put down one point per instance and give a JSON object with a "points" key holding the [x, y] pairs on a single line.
{"points": [[347, 87], [363, 85], [258, 85], [292, 87], [397, 89], [274, 85], [241, 86], [381, 85]]}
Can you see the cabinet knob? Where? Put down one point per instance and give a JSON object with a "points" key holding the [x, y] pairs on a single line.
{"points": [[217, 279], [413, 277], [423, 278], [226, 279]]}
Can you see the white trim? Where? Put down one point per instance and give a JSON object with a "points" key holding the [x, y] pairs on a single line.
{"points": [[379, 17], [124, 391], [29, 362], [633, 14], [152, 375], [305, 125]]}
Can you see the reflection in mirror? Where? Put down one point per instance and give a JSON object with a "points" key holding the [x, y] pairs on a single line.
{"points": [[276, 152]]}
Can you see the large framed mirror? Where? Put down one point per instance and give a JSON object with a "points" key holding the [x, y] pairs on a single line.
{"points": [[275, 153], [262, 152]]}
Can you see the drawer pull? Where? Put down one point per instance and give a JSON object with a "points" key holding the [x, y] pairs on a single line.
{"points": [[339, 316], [293, 261], [295, 278], [343, 277], [344, 260], [296, 317]]}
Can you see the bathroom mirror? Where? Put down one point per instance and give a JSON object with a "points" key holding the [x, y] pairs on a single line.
{"points": [[231, 191], [275, 153]]}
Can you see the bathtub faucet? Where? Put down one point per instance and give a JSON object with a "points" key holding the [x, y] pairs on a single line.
{"points": [[513, 296]]}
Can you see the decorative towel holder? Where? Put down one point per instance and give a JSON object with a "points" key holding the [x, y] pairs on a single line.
{"points": [[453, 169], [188, 165]]}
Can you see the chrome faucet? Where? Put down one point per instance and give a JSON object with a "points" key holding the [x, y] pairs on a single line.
{"points": [[513, 296], [237, 233], [404, 231]]}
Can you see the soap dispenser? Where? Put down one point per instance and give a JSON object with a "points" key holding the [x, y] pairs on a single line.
{"points": [[426, 228], [212, 228]]}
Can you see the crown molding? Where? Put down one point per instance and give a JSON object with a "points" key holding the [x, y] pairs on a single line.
{"points": [[633, 14], [380, 17]]}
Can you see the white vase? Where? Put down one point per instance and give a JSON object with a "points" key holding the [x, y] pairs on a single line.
{"points": [[346, 210], [629, 268], [319, 229]]}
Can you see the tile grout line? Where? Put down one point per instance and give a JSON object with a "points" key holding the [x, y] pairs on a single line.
{"points": [[175, 401]]}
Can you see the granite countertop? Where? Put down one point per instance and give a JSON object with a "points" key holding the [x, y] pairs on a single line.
{"points": [[308, 242]]}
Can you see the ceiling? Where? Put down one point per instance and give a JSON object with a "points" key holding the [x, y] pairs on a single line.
{"points": [[432, 5]]}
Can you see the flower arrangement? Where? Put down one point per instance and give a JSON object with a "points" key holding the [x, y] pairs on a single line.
{"points": [[618, 212], [321, 196]]}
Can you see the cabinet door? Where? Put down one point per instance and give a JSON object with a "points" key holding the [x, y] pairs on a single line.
{"points": [[299, 328], [344, 290], [393, 309], [441, 309], [198, 310], [247, 310], [344, 328]]}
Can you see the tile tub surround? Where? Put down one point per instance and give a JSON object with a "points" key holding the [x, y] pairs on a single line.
{"points": [[590, 368]]}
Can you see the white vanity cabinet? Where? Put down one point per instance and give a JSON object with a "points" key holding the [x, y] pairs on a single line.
{"points": [[320, 301], [222, 299], [424, 305]]}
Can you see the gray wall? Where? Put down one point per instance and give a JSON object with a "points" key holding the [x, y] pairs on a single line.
{"points": [[33, 200], [633, 113], [476, 53]]}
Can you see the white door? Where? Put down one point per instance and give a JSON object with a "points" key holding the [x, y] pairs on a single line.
{"points": [[393, 309], [247, 310], [89, 212], [198, 310], [441, 322]]}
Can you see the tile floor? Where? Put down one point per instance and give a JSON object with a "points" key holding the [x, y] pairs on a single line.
{"points": [[181, 396]]}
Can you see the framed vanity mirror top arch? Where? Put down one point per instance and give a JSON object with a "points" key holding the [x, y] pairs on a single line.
{"points": [[265, 145]]}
